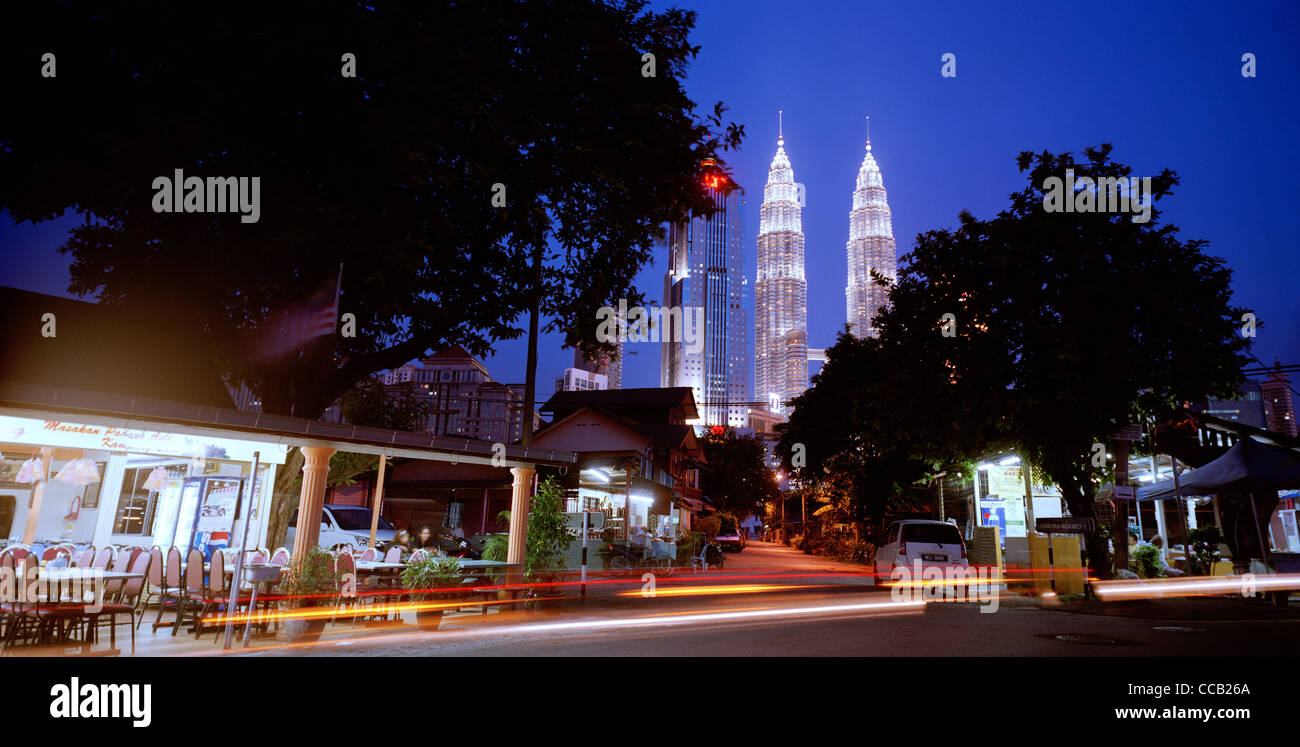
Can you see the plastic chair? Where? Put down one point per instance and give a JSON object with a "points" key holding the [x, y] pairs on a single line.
{"points": [[194, 593], [394, 555], [280, 557], [103, 558], [171, 586], [129, 601]]}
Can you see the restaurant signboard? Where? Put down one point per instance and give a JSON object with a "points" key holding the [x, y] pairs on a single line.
{"points": [[65, 434]]}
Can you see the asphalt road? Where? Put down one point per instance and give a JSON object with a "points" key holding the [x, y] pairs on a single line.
{"points": [[772, 601]]}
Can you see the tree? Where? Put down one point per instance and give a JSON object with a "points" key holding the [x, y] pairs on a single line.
{"points": [[548, 532], [737, 478], [367, 404], [486, 160], [1065, 327], [876, 422]]}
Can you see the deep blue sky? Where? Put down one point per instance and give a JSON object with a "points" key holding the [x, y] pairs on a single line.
{"points": [[1161, 81]]}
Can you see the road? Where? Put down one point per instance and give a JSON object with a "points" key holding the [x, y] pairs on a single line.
{"points": [[772, 601]]}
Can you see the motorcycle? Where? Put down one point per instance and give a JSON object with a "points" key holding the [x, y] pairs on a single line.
{"points": [[458, 547]]}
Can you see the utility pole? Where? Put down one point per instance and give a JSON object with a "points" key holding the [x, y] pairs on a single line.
{"points": [[803, 514]]}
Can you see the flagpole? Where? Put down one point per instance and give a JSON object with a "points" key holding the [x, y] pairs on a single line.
{"points": [[338, 291]]}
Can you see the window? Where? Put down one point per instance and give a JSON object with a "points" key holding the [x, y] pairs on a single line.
{"points": [[454, 517], [935, 534], [355, 519], [136, 505]]}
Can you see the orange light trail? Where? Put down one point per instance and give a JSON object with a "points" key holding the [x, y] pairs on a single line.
{"points": [[1154, 588], [707, 590]]}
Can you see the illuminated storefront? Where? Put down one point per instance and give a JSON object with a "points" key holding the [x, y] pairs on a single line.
{"points": [[103, 485]]}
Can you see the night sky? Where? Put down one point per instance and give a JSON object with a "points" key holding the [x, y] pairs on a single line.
{"points": [[1161, 81]]}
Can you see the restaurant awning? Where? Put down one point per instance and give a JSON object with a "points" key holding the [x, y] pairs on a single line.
{"points": [[1247, 467], [121, 411], [661, 495]]}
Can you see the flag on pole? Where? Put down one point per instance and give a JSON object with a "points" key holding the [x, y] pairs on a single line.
{"points": [[287, 332]]}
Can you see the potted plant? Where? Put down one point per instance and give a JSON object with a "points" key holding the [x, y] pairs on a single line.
{"points": [[425, 578], [309, 582], [1202, 550], [547, 543], [1146, 561]]}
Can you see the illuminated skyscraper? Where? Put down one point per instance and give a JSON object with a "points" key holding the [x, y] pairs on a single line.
{"points": [[871, 247], [780, 293], [707, 349]]}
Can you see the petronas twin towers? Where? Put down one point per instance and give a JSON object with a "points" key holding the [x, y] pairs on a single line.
{"points": [[781, 292]]}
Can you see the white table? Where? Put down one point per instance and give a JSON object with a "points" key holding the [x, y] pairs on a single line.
{"points": [[378, 565]]}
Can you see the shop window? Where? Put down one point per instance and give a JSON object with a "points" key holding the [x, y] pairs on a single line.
{"points": [[455, 515], [8, 504], [135, 505]]}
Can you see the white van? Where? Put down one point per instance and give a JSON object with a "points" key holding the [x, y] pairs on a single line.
{"points": [[345, 525], [933, 543]]}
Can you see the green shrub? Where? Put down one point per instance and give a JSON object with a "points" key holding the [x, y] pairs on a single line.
{"points": [[1146, 561], [311, 581], [424, 577], [1203, 550], [709, 526]]}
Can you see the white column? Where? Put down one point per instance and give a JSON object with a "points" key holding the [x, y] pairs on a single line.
{"points": [[315, 469], [520, 498]]}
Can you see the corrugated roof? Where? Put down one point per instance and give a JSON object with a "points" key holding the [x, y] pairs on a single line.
{"points": [[98, 407]]}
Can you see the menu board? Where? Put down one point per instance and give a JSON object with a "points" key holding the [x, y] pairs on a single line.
{"points": [[1005, 482], [217, 512]]}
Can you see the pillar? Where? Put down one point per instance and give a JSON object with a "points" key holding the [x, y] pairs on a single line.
{"points": [[315, 469], [520, 497], [38, 495]]}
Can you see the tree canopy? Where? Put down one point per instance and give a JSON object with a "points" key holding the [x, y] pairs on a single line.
{"points": [[472, 137], [737, 478], [1065, 327]]}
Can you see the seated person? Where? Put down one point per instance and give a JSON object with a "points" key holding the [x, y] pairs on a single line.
{"points": [[638, 537], [1159, 542]]}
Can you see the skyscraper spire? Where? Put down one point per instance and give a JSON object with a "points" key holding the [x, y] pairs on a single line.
{"points": [[871, 246], [780, 293]]}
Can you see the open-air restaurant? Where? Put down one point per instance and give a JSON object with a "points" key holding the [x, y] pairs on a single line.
{"points": [[123, 516]]}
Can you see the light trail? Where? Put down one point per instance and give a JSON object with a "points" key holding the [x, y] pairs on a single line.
{"points": [[709, 590], [871, 609], [1155, 588]]}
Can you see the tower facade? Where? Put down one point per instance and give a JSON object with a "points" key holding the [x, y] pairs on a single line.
{"points": [[703, 335], [780, 291], [870, 248]]}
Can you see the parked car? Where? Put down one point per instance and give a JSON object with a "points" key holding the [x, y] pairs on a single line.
{"points": [[730, 538], [933, 543], [345, 525]]}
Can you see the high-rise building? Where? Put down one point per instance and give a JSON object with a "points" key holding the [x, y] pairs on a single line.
{"points": [[871, 247], [579, 380], [464, 400], [705, 284], [1247, 407], [1279, 407], [781, 292]]}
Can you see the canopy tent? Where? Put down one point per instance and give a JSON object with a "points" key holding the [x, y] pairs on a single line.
{"points": [[1247, 467]]}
